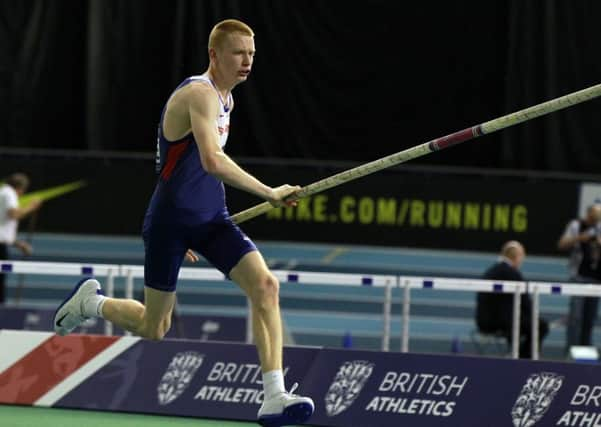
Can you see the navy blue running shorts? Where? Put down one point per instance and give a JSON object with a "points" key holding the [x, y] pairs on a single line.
{"points": [[221, 242]]}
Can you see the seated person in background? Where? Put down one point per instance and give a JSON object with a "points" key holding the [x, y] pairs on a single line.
{"points": [[494, 312]]}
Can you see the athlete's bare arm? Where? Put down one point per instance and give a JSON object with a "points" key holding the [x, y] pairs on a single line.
{"points": [[203, 108]]}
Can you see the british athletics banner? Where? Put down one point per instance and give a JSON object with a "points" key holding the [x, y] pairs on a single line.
{"points": [[350, 388]]}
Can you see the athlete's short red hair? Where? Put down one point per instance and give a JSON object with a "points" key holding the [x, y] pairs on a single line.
{"points": [[223, 28]]}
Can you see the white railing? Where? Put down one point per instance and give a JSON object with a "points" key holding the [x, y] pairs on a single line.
{"points": [[388, 282], [437, 283]]}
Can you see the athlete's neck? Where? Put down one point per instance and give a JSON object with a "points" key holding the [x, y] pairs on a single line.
{"points": [[219, 82]]}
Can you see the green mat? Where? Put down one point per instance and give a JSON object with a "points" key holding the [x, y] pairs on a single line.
{"points": [[29, 416]]}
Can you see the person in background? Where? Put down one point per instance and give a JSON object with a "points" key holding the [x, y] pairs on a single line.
{"points": [[494, 312], [582, 237], [10, 214]]}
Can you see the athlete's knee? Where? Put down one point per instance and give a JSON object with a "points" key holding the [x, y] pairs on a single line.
{"points": [[266, 292]]}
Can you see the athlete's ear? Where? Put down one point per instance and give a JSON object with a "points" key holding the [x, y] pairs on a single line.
{"points": [[212, 54]]}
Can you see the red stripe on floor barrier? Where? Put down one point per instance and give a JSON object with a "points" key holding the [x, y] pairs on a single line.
{"points": [[47, 365]]}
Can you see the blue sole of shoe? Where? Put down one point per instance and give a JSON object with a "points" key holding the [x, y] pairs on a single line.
{"points": [[293, 414]]}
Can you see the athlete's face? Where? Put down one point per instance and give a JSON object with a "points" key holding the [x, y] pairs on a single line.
{"points": [[235, 57]]}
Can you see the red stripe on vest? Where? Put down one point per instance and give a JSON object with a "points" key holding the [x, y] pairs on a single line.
{"points": [[174, 152]]}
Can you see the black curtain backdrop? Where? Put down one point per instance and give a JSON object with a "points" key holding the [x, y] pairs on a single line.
{"points": [[332, 79], [554, 48]]}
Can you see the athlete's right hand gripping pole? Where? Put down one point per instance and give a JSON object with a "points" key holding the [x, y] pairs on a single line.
{"points": [[430, 146]]}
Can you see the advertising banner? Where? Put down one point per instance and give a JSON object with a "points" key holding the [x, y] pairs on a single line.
{"points": [[185, 378], [436, 210], [371, 389], [394, 207], [350, 388], [112, 200]]}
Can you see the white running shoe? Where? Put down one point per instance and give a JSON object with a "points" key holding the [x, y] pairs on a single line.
{"points": [[69, 315], [285, 409]]}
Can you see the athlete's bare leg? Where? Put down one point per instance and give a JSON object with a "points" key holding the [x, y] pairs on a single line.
{"points": [[279, 407], [262, 288], [149, 320]]}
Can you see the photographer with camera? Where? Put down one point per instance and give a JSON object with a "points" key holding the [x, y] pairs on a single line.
{"points": [[583, 238]]}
